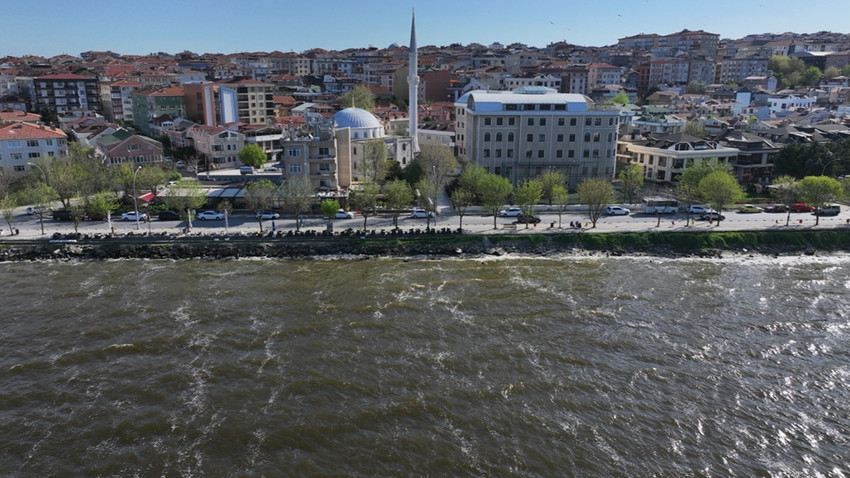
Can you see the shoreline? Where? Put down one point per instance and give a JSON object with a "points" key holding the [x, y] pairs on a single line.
{"points": [[671, 244]]}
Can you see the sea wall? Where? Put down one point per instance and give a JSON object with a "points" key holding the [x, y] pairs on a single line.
{"points": [[429, 245]]}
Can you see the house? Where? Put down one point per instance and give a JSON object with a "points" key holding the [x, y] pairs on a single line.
{"points": [[22, 144], [123, 147]]}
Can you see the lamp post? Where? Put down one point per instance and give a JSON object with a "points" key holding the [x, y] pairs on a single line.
{"points": [[135, 199], [41, 210], [42, 172]]}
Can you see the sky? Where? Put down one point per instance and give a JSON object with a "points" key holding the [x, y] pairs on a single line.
{"points": [[53, 27]]}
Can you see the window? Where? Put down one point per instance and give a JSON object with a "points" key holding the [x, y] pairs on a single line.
{"points": [[572, 121], [487, 121], [561, 121], [295, 152], [539, 153], [19, 168], [498, 136], [34, 155], [542, 121], [324, 167], [587, 137], [511, 121], [510, 153], [32, 143], [561, 138], [486, 136], [498, 171], [498, 153], [559, 153], [500, 121], [528, 154], [17, 156], [295, 168], [571, 153], [585, 153], [13, 144], [598, 122], [541, 138], [486, 153], [530, 121], [529, 138], [610, 121], [324, 152], [510, 137], [588, 121], [596, 137], [572, 138], [134, 147]]}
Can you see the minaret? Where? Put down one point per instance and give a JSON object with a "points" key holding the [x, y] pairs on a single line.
{"points": [[413, 81]]}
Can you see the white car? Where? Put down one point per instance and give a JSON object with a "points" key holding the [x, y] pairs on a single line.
{"points": [[265, 215], [617, 211], [421, 213], [343, 214], [510, 212], [211, 215], [699, 209], [131, 216]]}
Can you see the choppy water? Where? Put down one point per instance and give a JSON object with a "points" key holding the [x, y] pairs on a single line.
{"points": [[504, 367]]}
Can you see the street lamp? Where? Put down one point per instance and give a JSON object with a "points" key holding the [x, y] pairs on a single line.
{"points": [[135, 199], [42, 172], [41, 208]]}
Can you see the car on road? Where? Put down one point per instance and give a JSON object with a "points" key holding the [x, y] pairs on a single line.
{"points": [[510, 212], [180, 164], [775, 208], [343, 214], [828, 210], [265, 215], [134, 216], [801, 207], [421, 213], [31, 210], [749, 209], [712, 216], [617, 211], [699, 209], [523, 219], [62, 215], [210, 215], [168, 216]]}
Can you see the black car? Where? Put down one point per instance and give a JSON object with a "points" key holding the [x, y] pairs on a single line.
{"points": [[169, 216], [62, 215], [523, 219]]}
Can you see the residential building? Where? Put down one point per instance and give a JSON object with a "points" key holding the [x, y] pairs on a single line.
{"points": [[117, 101], [149, 104], [522, 133], [755, 160], [254, 101], [67, 93], [736, 70], [22, 143], [218, 147], [123, 147], [664, 157]]}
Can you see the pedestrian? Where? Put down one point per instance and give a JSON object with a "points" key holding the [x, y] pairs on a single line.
{"points": [[274, 228], [572, 225]]}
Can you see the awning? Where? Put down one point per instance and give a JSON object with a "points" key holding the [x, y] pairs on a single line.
{"points": [[147, 197]]}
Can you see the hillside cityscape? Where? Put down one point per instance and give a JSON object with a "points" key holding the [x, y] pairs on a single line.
{"points": [[766, 105]]}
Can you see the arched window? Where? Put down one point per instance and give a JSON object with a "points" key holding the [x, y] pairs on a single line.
{"points": [[586, 137], [510, 136], [498, 136], [610, 136], [486, 136], [596, 137]]}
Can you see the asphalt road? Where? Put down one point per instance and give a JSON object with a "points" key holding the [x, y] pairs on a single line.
{"points": [[473, 222]]}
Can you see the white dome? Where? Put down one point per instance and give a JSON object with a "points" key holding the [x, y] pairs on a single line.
{"points": [[356, 118]]}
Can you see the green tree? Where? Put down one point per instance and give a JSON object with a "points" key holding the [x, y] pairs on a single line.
{"points": [[550, 180], [186, 196], [719, 189], [695, 87], [365, 200], [785, 190], [595, 193], [438, 163], [41, 196], [329, 209], [526, 195], [831, 72], [695, 128], [427, 194], [493, 191], [374, 156], [151, 178], [260, 195], [620, 98], [297, 193], [561, 198], [688, 189], [8, 206], [811, 76], [631, 180], [358, 97], [472, 179], [252, 155], [102, 204], [397, 194], [66, 179], [460, 200], [818, 191]]}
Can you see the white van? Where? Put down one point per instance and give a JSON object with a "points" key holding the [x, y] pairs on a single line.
{"points": [[246, 170]]}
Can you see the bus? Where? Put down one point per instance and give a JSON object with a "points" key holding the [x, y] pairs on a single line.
{"points": [[660, 205]]}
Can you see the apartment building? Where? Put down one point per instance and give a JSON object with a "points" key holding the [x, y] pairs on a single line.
{"points": [[217, 146], [254, 101], [22, 143], [123, 147], [152, 103], [522, 133], [663, 158], [67, 93], [117, 101]]}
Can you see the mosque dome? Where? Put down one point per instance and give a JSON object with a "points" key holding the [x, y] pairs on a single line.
{"points": [[363, 124]]}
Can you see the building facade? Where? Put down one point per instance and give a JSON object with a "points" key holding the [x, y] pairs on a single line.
{"points": [[24, 143], [523, 133], [67, 94]]}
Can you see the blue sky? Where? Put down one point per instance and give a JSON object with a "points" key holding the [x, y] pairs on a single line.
{"points": [[52, 27]]}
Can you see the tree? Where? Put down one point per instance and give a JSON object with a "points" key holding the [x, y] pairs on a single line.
{"points": [[7, 208], [438, 163], [427, 194], [818, 191], [40, 196], [688, 190], [631, 180], [527, 195], [811, 76], [461, 199], [695, 128], [365, 200], [695, 87], [397, 194], [720, 188], [374, 156], [560, 197], [185, 197], [620, 98], [252, 155], [472, 179], [297, 193], [260, 195], [329, 209], [358, 97], [831, 72], [595, 193], [151, 178], [493, 191], [785, 190], [550, 180], [102, 204], [66, 179]]}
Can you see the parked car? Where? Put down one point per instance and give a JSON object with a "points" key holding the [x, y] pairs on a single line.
{"points": [[510, 212], [169, 216], [210, 215], [62, 215], [95, 216], [180, 164], [801, 207], [699, 209], [749, 209], [713, 216], [523, 219], [775, 208], [31, 210], [829, 210], [343, 214], [133, 216], [266, 215], [617, 211], [421, 213]]}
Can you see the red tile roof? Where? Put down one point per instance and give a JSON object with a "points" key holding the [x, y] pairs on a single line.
{"points": [[29, 131]]}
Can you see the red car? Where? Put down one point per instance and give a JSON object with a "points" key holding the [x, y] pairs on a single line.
{"points": [[801, 207]]}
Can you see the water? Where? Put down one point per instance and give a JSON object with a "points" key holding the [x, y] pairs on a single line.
{"points": [[518, 366]]}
